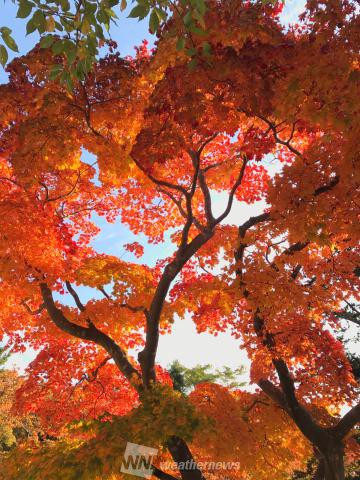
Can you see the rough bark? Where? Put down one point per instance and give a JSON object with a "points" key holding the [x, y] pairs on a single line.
{"points": [[331, 463], [183, 457]]}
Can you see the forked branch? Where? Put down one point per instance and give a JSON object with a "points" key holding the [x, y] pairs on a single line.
{"points": [[90, 333], [348, 422], [132, 308], [286, 143], [184, 253], [233, 191]]}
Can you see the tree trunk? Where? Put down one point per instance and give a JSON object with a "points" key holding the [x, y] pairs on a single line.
{"points": [[184, 459], [331, 466], [334, 465]]}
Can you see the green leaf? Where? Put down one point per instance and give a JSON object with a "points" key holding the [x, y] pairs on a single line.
{"points": [[10, 42], [46, 41], [199, 18], [3, 55], [25, 8], [39, 20], [192, 64], [188, 20], [55, 71], [140, 12], [71, 55], [153, 22], [90, 17], [200, 5], [68, 83], [85, 26], [161, 14], [69, 26], [58, 47], [30, 27], [65, 5], [102, 17], [68, 46], [58, 26], [207, 49], [90, 8], [80, 70], [180, 44], [5, 31], [198, 31], [87, 64], [92, 44], [99, 31], [191, 52], [110, 12]]}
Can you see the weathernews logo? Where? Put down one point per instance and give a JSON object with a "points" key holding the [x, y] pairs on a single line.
{"points": [[138, 460]]}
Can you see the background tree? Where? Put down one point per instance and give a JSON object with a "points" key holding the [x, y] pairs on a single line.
{"points": [[4, 357], [185, 379], [14, 428]]}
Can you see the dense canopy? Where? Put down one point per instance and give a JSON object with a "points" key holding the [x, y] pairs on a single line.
{"points": [[271, 118]]}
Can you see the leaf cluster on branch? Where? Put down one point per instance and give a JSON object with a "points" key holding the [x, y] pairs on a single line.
{"points": [[273, 120]]}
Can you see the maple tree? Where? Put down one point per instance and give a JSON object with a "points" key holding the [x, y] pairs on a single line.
{"points": [[14, 429], [78, 30], [273, 117]]}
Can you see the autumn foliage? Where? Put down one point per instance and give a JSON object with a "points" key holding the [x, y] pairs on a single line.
{"points": [[270, 119]]}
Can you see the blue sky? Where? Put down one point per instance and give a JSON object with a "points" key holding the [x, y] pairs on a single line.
{"points": [[128, 32], [183, 343]]}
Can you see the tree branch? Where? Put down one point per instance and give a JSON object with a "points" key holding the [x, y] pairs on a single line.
{"points": [[206, 142], [177, 202], [64, 195], [181, 454], [299, 414], [95, 372], [274, 393], [254, 403], [233, 191], [160, 182], [75, 296], [195, 157], [251, 222], [349, 316], [239, 252], [185, 252], [286, 143], [327, 187], [93, 334], [147, 355], [132, 308], [33, 312], [348, 422], [161, 475], [295, 247], [189, 216]]}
